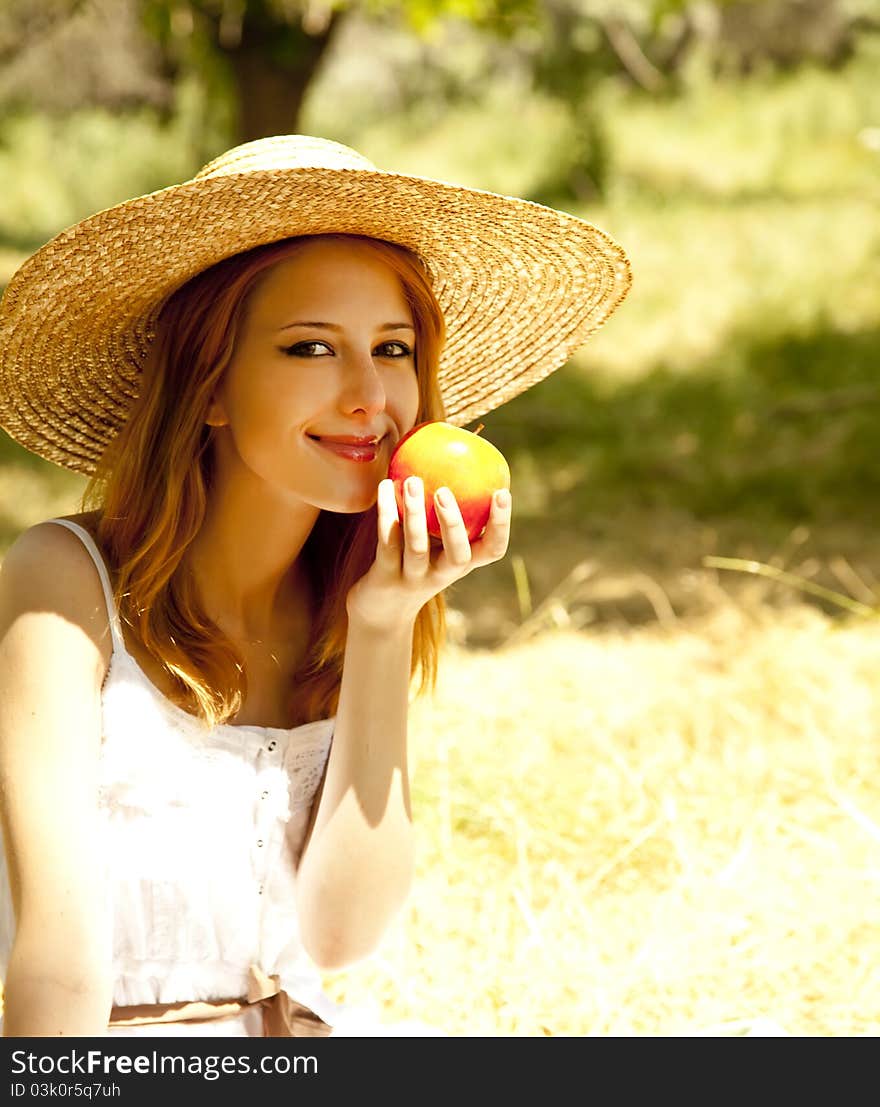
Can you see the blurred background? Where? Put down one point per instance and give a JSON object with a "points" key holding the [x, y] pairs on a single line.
{"points": [[657, 726]]}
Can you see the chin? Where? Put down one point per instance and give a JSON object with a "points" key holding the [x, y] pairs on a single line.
{"points": [[350, 505]]}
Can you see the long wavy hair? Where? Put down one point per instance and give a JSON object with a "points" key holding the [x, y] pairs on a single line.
{"points": [[151, 489]]}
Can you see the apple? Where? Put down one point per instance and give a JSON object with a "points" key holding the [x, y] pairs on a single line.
{"points": [[450, 457]]}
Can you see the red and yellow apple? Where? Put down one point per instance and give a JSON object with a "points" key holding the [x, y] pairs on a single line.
{"points": [[445, 456]]}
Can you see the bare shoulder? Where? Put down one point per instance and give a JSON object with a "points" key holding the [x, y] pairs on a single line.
{"points": [[48, 569], [53, 625]]}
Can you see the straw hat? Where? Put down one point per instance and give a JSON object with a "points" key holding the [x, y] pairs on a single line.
{"points": [[521, 286]]}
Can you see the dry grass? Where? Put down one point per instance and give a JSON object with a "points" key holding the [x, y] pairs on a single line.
{"points": [[661, 831]]}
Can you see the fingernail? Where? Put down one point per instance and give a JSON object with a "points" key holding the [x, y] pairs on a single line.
{"points": [[444, 497], [413, 486], [502, 498]]}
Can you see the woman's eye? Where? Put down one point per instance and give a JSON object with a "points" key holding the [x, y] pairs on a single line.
{"points": [[394, 349], [308, 349], [321, 349]]}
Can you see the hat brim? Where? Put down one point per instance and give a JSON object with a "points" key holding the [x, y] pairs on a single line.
{"points": [[521, 286]]}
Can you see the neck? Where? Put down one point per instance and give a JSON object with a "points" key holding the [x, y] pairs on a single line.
{"points": [[246, 560]]}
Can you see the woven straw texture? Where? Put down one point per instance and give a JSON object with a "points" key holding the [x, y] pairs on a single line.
{"points": [[521, 286]]}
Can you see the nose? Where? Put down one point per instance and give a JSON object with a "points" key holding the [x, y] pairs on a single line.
{"points": [[363, 390]]}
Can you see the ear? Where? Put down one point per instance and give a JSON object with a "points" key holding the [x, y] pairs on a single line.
{"points": [[216, 415]]}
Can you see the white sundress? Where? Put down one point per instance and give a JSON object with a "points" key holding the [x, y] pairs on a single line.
{"points": [[203, 834]]}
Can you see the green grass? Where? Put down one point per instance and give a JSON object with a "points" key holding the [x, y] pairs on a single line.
{"points": [[804, 134], [783, 428]]}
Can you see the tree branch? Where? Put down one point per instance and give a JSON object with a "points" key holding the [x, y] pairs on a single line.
{"points": [[630, 54]]}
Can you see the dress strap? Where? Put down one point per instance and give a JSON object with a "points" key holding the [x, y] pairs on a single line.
{"points": [[100, 565]]}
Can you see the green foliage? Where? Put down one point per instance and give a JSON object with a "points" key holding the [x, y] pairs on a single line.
{"points": [[57, 171], [501, 16]]}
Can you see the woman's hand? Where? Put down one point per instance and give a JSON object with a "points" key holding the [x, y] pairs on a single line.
{"points": [[411, 567]]}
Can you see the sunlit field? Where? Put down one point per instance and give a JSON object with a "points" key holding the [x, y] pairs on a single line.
{"points": [[660, 832]]}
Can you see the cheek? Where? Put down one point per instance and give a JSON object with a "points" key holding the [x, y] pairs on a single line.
{"points": [[265, 395], [250, 411], [259, 421], [405, 392]]}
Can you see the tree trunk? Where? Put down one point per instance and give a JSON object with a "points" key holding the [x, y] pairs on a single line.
{"points": [[272, 67]]}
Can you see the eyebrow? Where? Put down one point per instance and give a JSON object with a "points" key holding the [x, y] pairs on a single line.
{"points": [[336, 327]]}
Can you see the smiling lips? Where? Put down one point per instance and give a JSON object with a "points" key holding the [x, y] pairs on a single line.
{"points": [[350, 446]]}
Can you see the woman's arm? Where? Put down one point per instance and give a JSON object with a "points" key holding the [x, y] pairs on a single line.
{"points": [[356, 869], [357, 865], [52, 619]]}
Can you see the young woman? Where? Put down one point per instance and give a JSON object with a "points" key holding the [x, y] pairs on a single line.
{"points": [[205, 674]]}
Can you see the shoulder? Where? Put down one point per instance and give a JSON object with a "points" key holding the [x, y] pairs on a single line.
{"points": [[53, 660], [51, 559], [48, 570]]}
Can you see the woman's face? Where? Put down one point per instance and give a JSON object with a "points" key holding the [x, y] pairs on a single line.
{"points": [[325, 349]]}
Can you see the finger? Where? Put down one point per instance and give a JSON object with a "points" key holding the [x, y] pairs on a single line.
{"points": [[492, 546], [456, 544], [416, 547], [390, 539]]}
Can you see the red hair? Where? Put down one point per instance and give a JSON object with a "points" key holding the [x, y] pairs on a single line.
{"points": [[153, 483]]}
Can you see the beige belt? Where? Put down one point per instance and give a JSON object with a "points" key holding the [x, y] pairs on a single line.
{"points": [[283, 1017]]}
